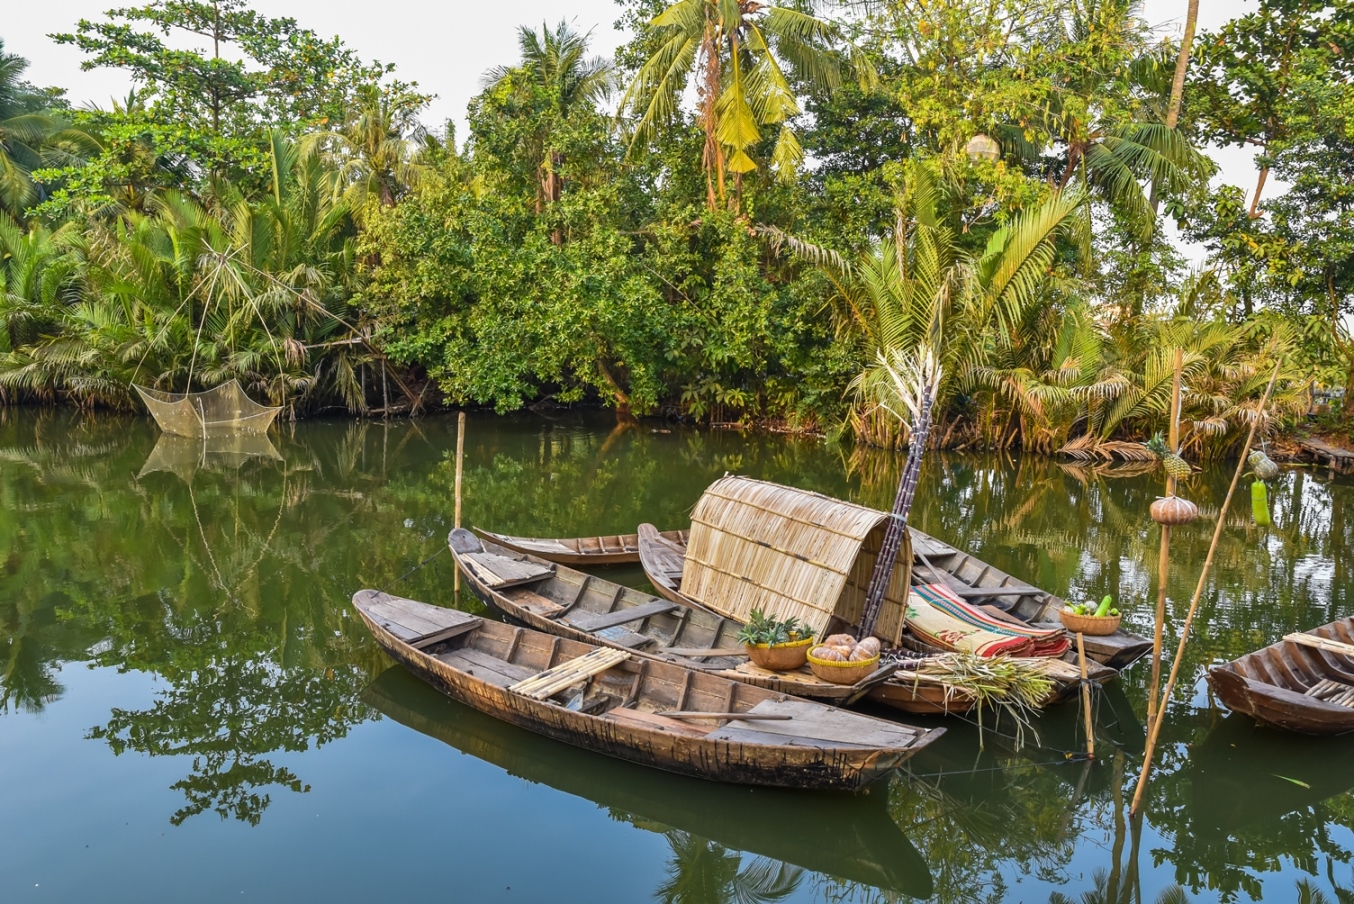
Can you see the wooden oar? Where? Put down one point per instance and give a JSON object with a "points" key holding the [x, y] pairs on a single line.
{"points": [[1321, 643], [747, 717]]}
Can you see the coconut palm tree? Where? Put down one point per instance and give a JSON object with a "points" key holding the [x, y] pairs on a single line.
{"points": [[705, 871], [556, 71], [745, 56]]}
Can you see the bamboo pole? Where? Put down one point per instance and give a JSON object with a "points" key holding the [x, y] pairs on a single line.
{"points": [[1164, 554], [1154, 729], [1086, 696], [460, 458]]}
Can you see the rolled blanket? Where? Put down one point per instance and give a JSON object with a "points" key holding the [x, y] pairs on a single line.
{"points": [[942, 619]]}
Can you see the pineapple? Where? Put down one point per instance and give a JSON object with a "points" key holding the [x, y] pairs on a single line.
{"points": [[1176, 466], [1156, 445]]}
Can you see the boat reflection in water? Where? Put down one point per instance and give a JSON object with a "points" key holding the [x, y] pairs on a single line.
{"points": [[842, 836]]}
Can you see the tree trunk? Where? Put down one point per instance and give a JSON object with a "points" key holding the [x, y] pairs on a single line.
{"points": [[1182, 65], [1259, 187]]}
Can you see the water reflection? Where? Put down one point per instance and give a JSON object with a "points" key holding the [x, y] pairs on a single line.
{"points": [[227, 578], [850, 838]]}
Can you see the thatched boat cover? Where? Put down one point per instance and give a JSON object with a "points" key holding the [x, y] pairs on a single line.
{"points": [[221, 409], [789, 552]]}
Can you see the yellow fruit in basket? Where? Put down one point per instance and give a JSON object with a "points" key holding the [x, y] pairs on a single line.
{"points": [[871, 644], [861, 654], [830, 654]]}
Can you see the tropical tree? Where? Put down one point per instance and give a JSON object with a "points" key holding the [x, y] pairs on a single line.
{"points": [[31, 136], [556, 71], [746, 57]]}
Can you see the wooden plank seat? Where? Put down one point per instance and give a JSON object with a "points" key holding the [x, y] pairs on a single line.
{"points": [[557, 678], [814, 725], [592, 623], [645, 719], [417, 624], [486, 667], [498, 571]]}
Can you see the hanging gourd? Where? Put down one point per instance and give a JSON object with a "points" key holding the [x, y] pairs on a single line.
{"points": [[1173, 510], [1262, 465], [1260, 502]]}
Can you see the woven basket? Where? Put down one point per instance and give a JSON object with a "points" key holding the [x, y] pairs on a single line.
{"points": [[1095, 625], [782, 657], [843, 672]]}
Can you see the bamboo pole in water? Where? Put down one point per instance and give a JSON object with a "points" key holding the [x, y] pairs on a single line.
{"points": [[460, 457], [1154, 728], [1086, 696], [1164, 556]]}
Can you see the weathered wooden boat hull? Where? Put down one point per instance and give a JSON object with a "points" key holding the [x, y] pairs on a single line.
{"points": [[614, 549], [1270, 685], [903, 694], [849, 837], [687, 626], [682, 748]]}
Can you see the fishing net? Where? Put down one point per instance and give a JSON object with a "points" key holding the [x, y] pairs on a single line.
{"points": [[222, 409], [185, 455]]}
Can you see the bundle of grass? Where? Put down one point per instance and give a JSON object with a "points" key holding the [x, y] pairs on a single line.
{"points": [[1008, 685]]}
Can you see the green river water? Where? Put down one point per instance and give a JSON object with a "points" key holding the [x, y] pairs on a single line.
{"points": [[190, 712]]}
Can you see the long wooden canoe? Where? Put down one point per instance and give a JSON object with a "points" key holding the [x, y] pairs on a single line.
{"points": [[937, 562], [1303, 683], [648, 712], [614, 549], [558, 600], [849, 837]]}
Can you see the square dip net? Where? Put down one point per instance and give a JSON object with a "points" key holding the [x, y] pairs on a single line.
{"points": [[221, 409]]}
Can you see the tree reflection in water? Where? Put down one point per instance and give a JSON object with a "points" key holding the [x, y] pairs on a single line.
{"points": [[701, 871], [233, 585]]}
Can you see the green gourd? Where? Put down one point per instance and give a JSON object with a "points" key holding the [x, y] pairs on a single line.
{"points": [[1260, 503], [1105, 606]]}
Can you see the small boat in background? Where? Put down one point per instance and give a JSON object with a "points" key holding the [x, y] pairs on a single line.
{"points": [[580, 552], [1303, 683], [653, 713]]}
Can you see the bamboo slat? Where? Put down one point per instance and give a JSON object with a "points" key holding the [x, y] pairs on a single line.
{"points": [[1321, 643], [556, 679]]}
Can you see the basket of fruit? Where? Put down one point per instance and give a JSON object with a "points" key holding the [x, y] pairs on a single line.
{"points": [[842, 660], [1087, 618], [780, 646]]}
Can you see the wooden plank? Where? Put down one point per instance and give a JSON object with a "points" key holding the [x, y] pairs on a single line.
{"points": [[1321, 643], [622, 616], [741, 735], [741, 717], [822, 723], [485, 667], [624, 637], [640, 718], [498, 572], [533, 601], [701, 652], [438, 615]]}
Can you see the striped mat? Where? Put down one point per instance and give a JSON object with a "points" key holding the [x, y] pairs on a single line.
{"points": [[942, 619]]}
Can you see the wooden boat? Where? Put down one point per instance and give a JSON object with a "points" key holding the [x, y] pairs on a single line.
{"points": [[614, 549], [558, 600], [933, 560], [850, 837], [648, 712], [1303, 683]]}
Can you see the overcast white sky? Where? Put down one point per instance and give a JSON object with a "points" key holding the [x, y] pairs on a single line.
{"points": [[444, 46]]}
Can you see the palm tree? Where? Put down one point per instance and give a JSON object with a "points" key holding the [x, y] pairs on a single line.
{"points": [[705, 871], [745, 55], [376, 153], [554, 63]]}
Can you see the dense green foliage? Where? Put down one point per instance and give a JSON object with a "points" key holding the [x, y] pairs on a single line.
{"points": [[273, 211]]}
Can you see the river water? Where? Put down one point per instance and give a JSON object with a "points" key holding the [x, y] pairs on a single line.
{"points": [[188, 710]]}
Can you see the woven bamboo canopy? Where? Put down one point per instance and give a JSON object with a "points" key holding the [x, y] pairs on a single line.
{"points": [[789, 552]]}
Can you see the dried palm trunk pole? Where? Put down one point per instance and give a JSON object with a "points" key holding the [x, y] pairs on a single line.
{"points": [[460, 457], [1164, 556], [916, 389], [1154, 728]]}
